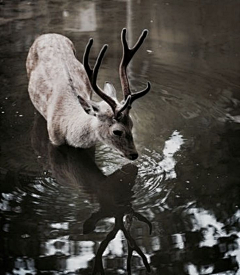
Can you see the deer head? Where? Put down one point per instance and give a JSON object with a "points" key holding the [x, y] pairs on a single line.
{"points": [[113, 119]]}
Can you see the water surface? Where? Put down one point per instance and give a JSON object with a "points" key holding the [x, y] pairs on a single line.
{"points": [[62, 212]]}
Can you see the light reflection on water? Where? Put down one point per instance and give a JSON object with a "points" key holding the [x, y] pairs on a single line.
{"points": [[186, 181], [155, 170]]}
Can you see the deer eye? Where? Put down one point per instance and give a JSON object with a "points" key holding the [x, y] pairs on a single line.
{"points": [[118, 133]]}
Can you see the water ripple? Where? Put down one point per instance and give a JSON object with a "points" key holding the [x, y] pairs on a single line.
{"points": [[156, 170]]}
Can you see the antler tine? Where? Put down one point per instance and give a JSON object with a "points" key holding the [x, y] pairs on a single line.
{"points": [[141, 93], [128, 53], [132, 245], [140, 217], [88, 69], [98, 63], [98, 265], [124, 106], [98, 91], [92, 73]]}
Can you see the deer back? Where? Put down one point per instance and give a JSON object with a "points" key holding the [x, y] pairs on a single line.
{"points": [[54, 72], [56, 79]]}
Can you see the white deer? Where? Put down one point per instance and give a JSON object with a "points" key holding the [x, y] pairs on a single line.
{"points": [[60, 88]]}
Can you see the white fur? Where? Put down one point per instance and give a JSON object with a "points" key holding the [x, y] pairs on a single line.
{"points": [[56, 79]]}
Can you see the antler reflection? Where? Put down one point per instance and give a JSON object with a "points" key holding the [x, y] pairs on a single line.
{"points": [[129, 215], [77, 168]]}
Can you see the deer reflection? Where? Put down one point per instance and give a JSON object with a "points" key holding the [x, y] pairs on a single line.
{"points": [[77, 168]]}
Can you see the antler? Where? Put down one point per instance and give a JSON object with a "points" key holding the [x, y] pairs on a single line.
{"points": [[92, 73], [126, 58], [132, 246]]}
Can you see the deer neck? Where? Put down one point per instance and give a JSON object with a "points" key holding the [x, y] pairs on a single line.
{"points": [[82, 129]]}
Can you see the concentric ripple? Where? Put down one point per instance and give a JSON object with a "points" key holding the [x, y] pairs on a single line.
{"points": [[156, 171]]}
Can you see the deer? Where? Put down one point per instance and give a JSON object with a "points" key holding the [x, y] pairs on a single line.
{"points": [[61, 88]]}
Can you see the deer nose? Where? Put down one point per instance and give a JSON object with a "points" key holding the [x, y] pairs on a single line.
{"points": [[134, 156]]}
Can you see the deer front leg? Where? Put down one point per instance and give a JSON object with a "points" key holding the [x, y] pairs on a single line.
{"points": [[55, 135]]}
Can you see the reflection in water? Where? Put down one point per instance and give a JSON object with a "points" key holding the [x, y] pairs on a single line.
{"points": [[75, 167], [171, 147], [132, 245], [73, 175], [80, 19], [54, 209], [156, 172], [158, 167]]}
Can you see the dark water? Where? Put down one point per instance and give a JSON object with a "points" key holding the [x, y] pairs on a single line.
{"points": [[59, 212]]}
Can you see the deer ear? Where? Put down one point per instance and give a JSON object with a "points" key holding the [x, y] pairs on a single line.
{"points": [[90, 107], [110, 90]]}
